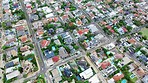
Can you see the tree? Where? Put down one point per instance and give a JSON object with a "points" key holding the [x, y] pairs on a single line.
{"points": [[144, 37], [144, 52], [76, 47], [4, 57], [20, 69]]}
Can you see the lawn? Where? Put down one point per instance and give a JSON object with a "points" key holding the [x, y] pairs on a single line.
{"points": [[144, 31]]}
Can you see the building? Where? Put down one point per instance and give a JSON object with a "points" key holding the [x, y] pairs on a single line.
{"points": [[87, 73], [63, 53], [145, 79], [56, 75], [44, 43], [48, 54], [94, 79], [12, 75]]}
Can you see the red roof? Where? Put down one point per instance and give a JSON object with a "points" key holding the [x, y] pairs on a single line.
{"points": [[44, 43], [79, 22], [104, 65], [40, 32], [124, 29], [109, 26], [25, 48], [81, 32], [132, 40], [112, 31], [65, 17], [19, 28], [23, 38], [55, 19], [118, 77], [55, 59]]}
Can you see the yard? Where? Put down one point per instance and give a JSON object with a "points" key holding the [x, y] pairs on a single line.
{"points": [[144, 31]]}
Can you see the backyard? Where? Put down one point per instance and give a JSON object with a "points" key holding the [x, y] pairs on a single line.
{"points": [[144, 31]]}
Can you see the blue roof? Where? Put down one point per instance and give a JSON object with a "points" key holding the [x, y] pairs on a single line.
{"points": [[67, 72], [10, 64], [48, 54]]}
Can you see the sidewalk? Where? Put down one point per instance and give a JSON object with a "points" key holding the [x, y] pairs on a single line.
{"points": [[1, 66]]}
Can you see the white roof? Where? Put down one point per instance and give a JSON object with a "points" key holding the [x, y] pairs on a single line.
{"points": [[12, 75], [15, 60], [8, 70], [27, 53], [109, 46], [47, 10], [111, 80], [92, 28], [49, 15], [126, 60], [87, 73], [94, 79]]}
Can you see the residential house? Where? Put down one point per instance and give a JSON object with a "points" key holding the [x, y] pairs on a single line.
{"points": [[13, 74], [63, 53], [48, 54], [87, 73], [56, 75], [44, 43]]}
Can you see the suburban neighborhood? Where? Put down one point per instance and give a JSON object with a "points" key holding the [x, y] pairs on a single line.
{"points": [[74, 41]]}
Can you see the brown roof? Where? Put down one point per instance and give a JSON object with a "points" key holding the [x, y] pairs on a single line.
{"points": [[23, 38], [140, 72], [118, 77], [105, 64], [44, 43], [132, 40]]}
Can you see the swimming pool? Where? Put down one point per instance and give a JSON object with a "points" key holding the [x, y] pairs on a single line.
{"points": [[124, 81], [132, 76]]}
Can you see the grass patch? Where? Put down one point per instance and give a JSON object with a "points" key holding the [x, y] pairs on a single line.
{"points": [[144, 31]]}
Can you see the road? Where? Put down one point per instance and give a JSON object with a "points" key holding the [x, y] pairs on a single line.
{"points": [[43, 69]]}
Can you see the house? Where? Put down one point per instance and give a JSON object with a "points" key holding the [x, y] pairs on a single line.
{"points": [[55, 58], [10, 69], [56, 75], [93, 28], [27, 53], [9, 64], [109, 70], [119, 56], [27, 66], [44, 43], [81, 32], [144, 79], [87, 73], [67, 72], [40, 32], [109, 46], [132, 40], [14, 52], [111, 80], [12, 75], [48, 54], [24, 48], [140, 72], [20, 28], [63, 53], [57, 42], [94, 79], [105, 64], [118, 76], [124, 61], [23, 38]]}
